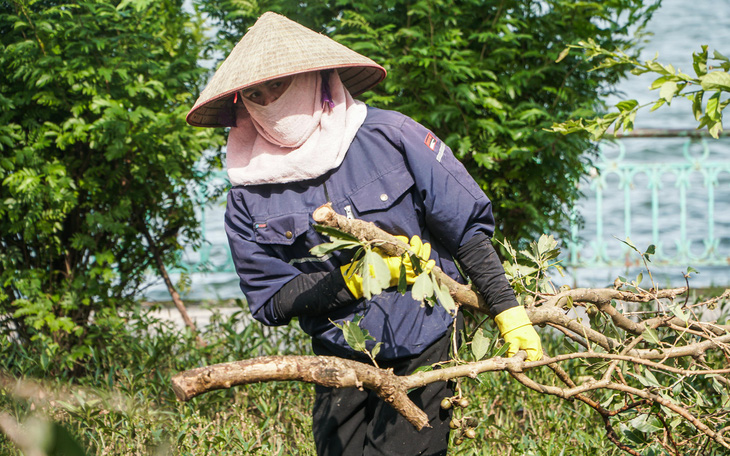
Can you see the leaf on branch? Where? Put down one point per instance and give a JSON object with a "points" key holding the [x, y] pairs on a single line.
{"points": [[651, 250], [647, 424], [337, 244], [426, 368], [716, 80], [480, 344], [422, 288], [668, 90], [354, 335], [334, 233], [651, 336], [376, 349], [699, 61], [678, 312], [627, 105], [563, 54], [375, 274], [713, 110], [502, 350], [402, 282], [443, 296]]}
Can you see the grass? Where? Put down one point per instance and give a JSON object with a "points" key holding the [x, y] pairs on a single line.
{"points": [[122, 404]]}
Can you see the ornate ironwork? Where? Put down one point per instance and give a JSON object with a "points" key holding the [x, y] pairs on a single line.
{"points": [[667, 199]]}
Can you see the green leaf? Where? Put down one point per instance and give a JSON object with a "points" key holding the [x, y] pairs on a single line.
{"points": [[502, 350], [645, 423], [443, 296], [676, 309], [563, 54], [338, 244], [427, 368], [634, 435], [375, 274], [627, 105], [713, 111], [354, 335], [668, 90], [697, 104], [715, 129], [651, 336], [651, 379], [376, 349], [422, 287], [699, 61], [334, 233], [658, 104], [402, 281], [716, 80], [480, 344]]}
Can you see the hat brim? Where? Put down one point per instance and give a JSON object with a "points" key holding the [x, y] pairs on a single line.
{"points": [[276, 47]]}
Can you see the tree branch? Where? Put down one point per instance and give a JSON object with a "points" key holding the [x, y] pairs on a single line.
{"points": [[389, 244]]}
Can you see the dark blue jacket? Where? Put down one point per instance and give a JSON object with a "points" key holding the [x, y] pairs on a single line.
{"points": [[396, 174]]}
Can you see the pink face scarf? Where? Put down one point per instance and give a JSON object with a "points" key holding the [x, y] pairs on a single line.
{"points": [[296, 137]]}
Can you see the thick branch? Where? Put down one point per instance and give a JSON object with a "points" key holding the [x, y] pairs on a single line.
{"points": [[341, 373], [368, 232], [323, 370]]}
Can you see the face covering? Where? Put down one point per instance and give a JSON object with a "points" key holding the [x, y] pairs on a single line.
{"points": [[296, 137]]}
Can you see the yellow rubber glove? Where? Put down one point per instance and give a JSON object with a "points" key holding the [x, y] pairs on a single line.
{"points": [[417, 247], [516, 328]]}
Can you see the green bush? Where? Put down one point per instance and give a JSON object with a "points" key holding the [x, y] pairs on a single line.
{"points": [[124, 403], [98, 170]]}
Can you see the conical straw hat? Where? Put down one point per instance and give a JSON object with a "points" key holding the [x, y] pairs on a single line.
{"points": [[275, 47]]}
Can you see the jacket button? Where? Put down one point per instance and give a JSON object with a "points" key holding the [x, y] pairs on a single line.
{"points": [[289, 235], [383, 197]]}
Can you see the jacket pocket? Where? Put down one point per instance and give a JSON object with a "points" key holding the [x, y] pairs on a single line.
{"points": [[383, 192], [280, 229]]}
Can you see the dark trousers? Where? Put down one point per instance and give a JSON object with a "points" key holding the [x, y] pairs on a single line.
{"points": [[350, 422]]}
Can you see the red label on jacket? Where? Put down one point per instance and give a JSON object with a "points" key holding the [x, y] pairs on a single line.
{"points": [[430, 141]]}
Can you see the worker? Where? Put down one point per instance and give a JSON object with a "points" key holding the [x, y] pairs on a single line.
{"points": [[299, 139]]}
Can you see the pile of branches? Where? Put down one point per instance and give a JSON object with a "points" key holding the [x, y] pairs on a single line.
{"points": [[651, 356]]}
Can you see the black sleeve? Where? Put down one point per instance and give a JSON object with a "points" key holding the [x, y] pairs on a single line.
{"points": [[481, 263], [311, 294]]}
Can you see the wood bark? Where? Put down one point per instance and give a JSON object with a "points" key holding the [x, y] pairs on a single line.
{"points": [[463, 295]]}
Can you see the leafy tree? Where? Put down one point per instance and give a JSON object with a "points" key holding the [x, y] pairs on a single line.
{"points": [[97, 168], [712, 78], [483, 75]]}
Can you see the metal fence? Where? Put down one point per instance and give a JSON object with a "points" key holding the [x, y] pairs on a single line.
{"points": [[669, 189]]}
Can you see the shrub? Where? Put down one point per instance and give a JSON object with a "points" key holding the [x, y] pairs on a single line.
{"points": [[98, 168]]}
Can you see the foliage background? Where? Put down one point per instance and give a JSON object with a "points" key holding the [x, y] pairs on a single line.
{"points": [[482, 74], [98, 173]]}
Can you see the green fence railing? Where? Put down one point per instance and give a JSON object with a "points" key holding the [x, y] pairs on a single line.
{"points": [[669, 188]]}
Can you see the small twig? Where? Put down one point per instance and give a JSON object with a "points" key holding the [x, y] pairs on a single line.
{"points": [[170, 287]]}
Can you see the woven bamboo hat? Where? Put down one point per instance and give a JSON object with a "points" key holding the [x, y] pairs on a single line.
{"points": [[276, 47]]}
